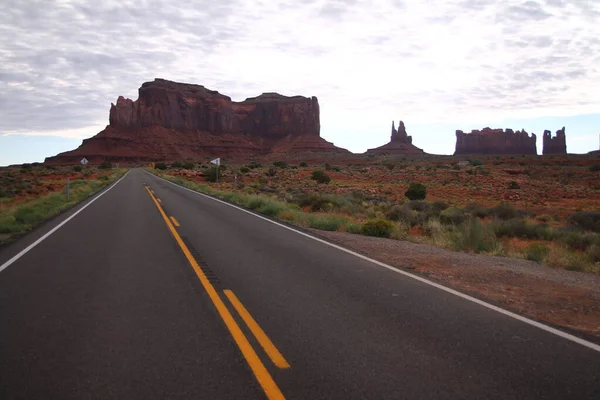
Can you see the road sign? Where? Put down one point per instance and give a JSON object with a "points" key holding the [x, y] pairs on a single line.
{"points": [[84, 161]]}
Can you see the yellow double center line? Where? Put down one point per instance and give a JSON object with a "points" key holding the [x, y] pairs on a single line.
{"points": [[262, 375]]}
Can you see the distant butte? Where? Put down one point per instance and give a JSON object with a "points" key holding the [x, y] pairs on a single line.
{"points": [[556, 144], [495, 141], [400, 143], [175, 121]]}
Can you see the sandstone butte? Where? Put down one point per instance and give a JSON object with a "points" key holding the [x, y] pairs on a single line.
{"points": [[400, 143], [557, 144], [175, 121], [495, 141]]}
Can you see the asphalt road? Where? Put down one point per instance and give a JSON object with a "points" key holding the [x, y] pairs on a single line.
{"points": [[138, 297]]}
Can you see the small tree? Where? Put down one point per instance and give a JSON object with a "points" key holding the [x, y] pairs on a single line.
{"points": [[280, 164], [416, 191], [320, 177], [160, 165]]}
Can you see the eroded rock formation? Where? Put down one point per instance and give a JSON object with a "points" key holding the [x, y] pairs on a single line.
{"points": [[174, 121], [495, 141], [400, 143], [556, 144]]}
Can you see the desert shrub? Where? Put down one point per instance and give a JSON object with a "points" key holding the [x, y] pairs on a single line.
{"points": [[475, 163], [588, 220], [210, 175], [536, 251], [377, 227], [77, 168], [452, 216], [280, 164], [520, 228], [472, 235], [543, 218], [105, 165], [271, 172], [303, 164], [188, 165], [594, 253], [504, 211], [439, 205], [328, 167], [161, 166], [513, 185], [595, 168], [389, 166], [254, 165], [326, 222], [244, 170], [577, 240], [176, 164], [319, 202], [403, 214], [271, 208], [353, 227], [477, 210], [320, 177], [416, 191], [418, 205]]}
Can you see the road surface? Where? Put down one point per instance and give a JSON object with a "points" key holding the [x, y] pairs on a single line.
{"points": [[155, 292]]}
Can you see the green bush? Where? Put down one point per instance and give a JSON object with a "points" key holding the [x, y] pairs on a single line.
{"points": [[280, 164], [536, 251], [105, 165], [595, 168], [244, 170], [161, 166], [176, 164], [439, 205], [579, 241], [475, 163], [303, 164], [77, 168], [588, 220], [416, 191], [377, 227], [320, 177]]}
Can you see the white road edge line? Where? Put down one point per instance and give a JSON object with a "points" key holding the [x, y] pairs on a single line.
{"points": [[40, 240], [546, 328]]}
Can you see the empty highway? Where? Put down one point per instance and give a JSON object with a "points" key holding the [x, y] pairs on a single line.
{"points": [[151, 291]]}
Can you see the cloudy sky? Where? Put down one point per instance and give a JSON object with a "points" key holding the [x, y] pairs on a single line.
{"points": [[438, 65]]}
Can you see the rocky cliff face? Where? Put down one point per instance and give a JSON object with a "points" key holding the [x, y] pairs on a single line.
{"points": [[400, 143], [173, 121], [557, 144], [495, 141]]}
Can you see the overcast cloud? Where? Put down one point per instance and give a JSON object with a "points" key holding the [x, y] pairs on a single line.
{"points": [[368, 62]]}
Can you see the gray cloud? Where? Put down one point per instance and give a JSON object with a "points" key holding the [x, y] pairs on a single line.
{"points": [[63, 64]]}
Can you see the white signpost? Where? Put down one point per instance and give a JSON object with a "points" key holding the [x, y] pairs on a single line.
{"points": [[217, 162], [84, 161]]}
